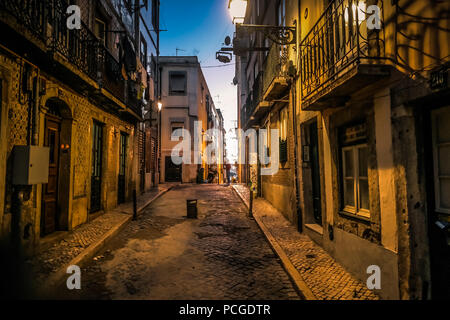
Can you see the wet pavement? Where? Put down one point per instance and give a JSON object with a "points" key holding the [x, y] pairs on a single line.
{"points": [[163, 255]]}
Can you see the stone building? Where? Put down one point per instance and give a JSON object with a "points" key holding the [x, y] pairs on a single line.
{"points": [[368, 112], [186, 99], [75, 93]]}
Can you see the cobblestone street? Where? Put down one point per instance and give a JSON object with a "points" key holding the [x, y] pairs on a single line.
{"points": [[163, 255]]}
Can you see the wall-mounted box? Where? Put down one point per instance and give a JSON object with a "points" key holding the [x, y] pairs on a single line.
{"points": [[30, 165]]}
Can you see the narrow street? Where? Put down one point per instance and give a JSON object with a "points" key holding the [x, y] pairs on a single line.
{"points": [[163, 255]]}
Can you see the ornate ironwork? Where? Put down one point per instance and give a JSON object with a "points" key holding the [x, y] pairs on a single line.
{"points": [[47, 19], [278, 34], [339, 41], [30, 13]]}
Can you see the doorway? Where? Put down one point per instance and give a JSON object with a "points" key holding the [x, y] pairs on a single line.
{"points": [[97, 161], [122, 167], [437, 149], [173, 171], [50, 190], [311, 174]]}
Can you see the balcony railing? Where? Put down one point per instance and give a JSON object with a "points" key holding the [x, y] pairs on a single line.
{"points": [[339, 42], [32, 14], [274, 80], [47, 19], [112, 78]]}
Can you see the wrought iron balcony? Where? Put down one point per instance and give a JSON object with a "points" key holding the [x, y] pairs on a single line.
{"points": [[32, 14], [341, 55], [255, 107], [275, 81], [80, 49], [112, 79]]}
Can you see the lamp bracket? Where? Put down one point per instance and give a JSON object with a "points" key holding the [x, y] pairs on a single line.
{"points": [[278, 34]]}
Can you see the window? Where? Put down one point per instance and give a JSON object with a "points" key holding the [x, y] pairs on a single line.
{"points": [[100, 30], [176, 125], [177, 83], [355, 180], [441, 156]]}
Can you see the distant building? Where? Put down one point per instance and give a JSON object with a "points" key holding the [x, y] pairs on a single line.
{"points": [[185, 99]]}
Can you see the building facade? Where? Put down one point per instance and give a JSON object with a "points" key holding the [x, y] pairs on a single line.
{"points": [[366, 90], [76, 94], [186, 101]]}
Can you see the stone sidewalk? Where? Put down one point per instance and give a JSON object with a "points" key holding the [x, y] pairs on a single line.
{"points": [[315, 272], [75, 247]]}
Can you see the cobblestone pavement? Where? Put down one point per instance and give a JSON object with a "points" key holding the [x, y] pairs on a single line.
{"points": [[164, 255], [71, 244], [326, 278]]}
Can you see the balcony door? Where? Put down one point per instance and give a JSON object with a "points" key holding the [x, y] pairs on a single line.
{"points": [[97, 160]]}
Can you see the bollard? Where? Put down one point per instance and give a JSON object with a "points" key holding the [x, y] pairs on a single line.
{"points": [[250, 207], [134, 205], [191, 209]]}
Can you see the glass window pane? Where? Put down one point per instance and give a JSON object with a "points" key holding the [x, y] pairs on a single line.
{"points": [[444, 160], [363, 161], [349, 193], [364, 194], [444, 193], [348, 163]]}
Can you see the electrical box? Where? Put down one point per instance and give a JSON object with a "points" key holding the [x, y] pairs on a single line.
{"points": [[30, 165]]}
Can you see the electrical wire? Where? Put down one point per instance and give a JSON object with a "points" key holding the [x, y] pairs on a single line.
{"points": [[219, 66]]}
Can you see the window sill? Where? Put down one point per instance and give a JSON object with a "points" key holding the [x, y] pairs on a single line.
{"points": [[354, 216]]}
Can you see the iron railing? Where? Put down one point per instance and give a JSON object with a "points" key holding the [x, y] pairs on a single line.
{"points": [[33, 14], [47, 19], [339, 41], [112, 78], [273, 65]]}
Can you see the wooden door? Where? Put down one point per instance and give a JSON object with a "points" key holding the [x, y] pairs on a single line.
{"points": [[50, 190], [173, 171]]}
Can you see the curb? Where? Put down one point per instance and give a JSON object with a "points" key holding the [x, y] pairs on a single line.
{"points": [[294, 275], [90, 251]]}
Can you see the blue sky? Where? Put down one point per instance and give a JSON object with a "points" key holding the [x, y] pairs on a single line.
{"points": [[199, 27]]}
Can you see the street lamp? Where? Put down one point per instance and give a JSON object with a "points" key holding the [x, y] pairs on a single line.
{"points": [[281, 35], [160, 106], [237, 10]]}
